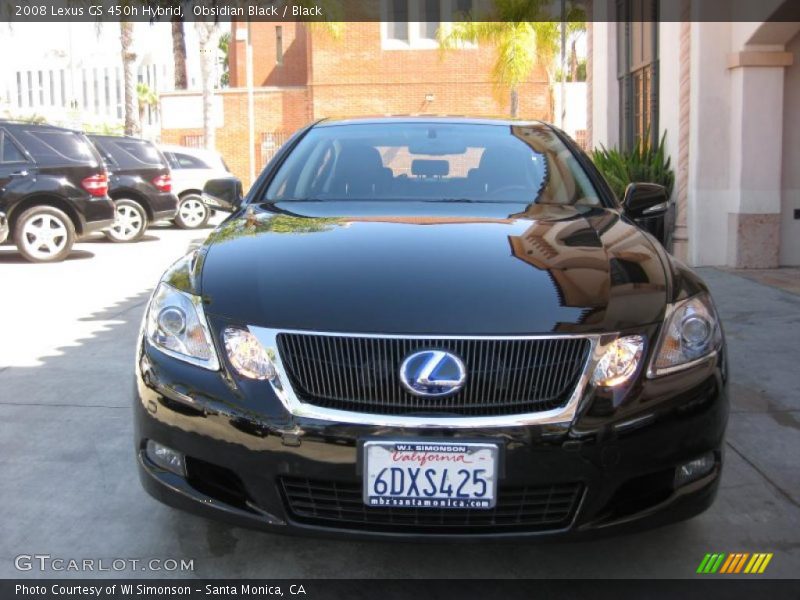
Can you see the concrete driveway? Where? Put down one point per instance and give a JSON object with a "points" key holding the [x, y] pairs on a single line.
{"points": [[68, 484]]}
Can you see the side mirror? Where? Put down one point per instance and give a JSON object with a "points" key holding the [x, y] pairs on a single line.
{"points": [[223, 194], [645, 200]]}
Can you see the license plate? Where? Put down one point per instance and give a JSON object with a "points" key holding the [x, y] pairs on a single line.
{"points": [[430, 474]]}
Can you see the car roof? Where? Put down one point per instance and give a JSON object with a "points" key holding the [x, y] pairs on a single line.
{"points": [[12, 123], [188, 150], [415, 119], [105, 136]]}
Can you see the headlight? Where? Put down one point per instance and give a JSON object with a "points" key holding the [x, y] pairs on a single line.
{"points": [[691, 333], [620, 361], [247, 355], [177, 326]]}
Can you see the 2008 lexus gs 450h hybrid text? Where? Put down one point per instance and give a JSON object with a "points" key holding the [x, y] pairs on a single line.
{"points": [[433, 328]]}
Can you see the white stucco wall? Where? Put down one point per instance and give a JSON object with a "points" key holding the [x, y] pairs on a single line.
{"points": [[790, 175], [709, 195], [744, 131], [575, 101], [669, 76], [605, 89]]}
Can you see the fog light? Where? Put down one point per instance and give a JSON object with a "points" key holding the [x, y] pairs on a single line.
{"points": [[166, 458], [694, 469]]}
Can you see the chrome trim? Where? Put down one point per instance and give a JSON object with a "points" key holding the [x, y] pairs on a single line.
{"points": [[558, 416], [656, 208], [175, 395], [635, 423]]}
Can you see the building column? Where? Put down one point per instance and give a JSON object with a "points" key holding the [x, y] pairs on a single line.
{"points": [[754, 221], [605, 88], [708, 174], [681, 234], [589, 77], [671, 96]]}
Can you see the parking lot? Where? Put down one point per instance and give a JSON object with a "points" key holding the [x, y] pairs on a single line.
{"points": [[69, 485]]}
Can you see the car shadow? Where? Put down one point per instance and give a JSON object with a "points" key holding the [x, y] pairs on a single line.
{"points": [[170, 226], [95, 240], [11, 256]]}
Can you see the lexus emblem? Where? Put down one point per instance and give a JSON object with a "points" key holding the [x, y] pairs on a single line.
{"points": [[432, 373]]}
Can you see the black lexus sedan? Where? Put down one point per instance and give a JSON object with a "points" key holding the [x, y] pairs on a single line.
{"points": [[435, 328]]}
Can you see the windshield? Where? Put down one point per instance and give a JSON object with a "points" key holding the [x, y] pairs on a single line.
{"points": [[433, 162]]}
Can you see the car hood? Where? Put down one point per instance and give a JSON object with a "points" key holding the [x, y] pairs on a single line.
{"points": [[433, 268]]}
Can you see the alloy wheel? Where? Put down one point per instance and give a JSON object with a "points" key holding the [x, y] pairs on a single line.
{"points": [[44, 236], [193, 212], [128, 223]]}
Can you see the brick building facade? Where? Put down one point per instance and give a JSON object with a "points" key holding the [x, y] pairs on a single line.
{"points": [[302, 73]]}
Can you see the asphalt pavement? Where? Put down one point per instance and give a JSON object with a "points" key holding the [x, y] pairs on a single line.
{"points": [[69, 488]]}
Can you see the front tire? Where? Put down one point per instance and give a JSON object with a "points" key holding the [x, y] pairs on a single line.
{"points": [[44, 234], [130, 223], [192, 212]]}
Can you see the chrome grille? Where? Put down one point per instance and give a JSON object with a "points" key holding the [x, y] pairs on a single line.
{"points": [[339, 504], [504, 376]]}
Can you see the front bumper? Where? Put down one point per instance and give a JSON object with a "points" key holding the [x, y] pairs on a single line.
{"points": [[621, 459]]}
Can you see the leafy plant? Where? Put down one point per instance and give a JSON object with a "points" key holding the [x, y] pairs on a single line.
{"points": [[25, 118], [224, 49], [145, 97], [524, 35], [103, 128], [645, 162]]}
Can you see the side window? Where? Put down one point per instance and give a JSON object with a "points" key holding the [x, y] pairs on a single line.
{"points": [[173, 163], [107, 157], [141, 152], [189, 162], [62, 144], [9, 152]]}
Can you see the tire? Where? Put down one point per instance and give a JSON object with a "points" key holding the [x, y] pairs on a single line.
{"points": [[192, 212], [44, 234], [131, 222]]}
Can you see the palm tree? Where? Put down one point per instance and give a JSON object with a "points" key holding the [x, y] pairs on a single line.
{"points": [[179, 54], [132, 126], [205, 33], [224, 46], [524, 34], [146, 97]]}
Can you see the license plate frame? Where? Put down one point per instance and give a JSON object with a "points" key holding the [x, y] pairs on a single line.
{"points": [[378, 455]]}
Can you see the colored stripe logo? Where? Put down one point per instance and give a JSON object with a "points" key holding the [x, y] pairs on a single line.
{"points": [[734, 563]]}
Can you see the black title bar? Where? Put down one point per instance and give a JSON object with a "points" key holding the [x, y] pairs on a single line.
{"points": [[379, 10], [396, 589]]}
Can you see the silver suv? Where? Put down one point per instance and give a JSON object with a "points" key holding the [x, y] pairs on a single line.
{"points": [[191, 168]]}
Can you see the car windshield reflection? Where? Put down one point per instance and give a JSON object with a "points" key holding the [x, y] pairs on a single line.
{"points": [[433, 162]]}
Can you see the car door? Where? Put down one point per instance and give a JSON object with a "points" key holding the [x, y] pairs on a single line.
{"points": [[15, 167]]}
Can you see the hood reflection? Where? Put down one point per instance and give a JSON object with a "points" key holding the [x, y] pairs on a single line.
{"points": [[530, 268]]}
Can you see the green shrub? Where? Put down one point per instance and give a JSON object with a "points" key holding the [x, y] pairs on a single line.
{"points": [[643, 163]]}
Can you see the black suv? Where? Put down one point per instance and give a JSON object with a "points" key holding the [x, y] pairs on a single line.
{"points": [[140, 184], [53, 188]]}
